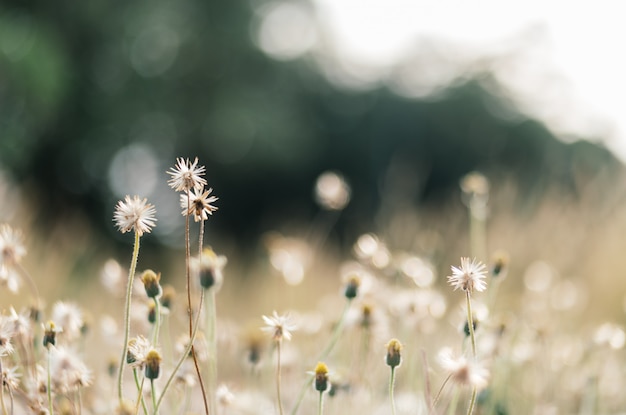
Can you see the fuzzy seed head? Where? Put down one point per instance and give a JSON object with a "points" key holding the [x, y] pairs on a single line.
{"points": [[280, 327], [469, 276], [134, 214], [186, 175], [198, 203]]}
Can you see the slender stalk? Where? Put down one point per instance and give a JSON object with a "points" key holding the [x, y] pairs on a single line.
{"points": [[470, 410], [392, 379], [153, 393], [189, 313], [470, 322], [157, 320], [140, 393], [443, 385], [427, 393], [185, 354], [129, 292], [280, 402], [329, 347], [454, 403], [320, 405]]}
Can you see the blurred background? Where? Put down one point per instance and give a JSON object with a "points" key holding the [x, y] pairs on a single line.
{"points": [[403, 98]]}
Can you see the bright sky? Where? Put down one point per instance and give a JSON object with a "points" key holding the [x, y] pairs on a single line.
{"points": [[561, 61]]}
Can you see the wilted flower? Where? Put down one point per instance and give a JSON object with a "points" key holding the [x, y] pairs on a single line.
{"points": [[186, 175], [469, 276], [199, 204], [462, 371], [279, 326], [134, 214]]}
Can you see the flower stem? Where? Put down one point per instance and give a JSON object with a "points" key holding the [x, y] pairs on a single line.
{"points": [[470, 322], [153, 393], [185, 354], [470, 410], [210, 318], [129, 292], [140, 392], [280, 403], [392, 379], [333, 341], [49, 385], [189, 313], [320, 405], [157, 320]]}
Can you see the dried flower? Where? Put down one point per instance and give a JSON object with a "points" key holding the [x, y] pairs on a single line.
{"points": [[199, 204], [393, 358], [469, 276], [186, 175], [138, 348], [12, 249], [69, 318], [7, 331], [279, 326], [208, 268], [134, 214], [68, 372], [462, 371]]}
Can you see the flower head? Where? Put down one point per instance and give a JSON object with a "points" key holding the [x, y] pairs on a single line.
{"points": [[134, 214], [394, 357], [279, 326], [199, 204], [186, 175], [138, 348], [11, 246], [321, 377], [469, 276], [462, 371], [208, 269], [69, 318]]}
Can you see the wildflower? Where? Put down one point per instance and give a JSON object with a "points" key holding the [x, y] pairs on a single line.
{"points": [[50, 333], [11, 246], [279, 326], [322, 383], [393, 358], [138, 348], [151, 283], [186, 175], [209, 268], [69, 318], [462, 371], [68, 372], [153, 364], [469, 276], [10, 377], [332, 192], [500, 264], [7, 331], [169, 293], [352, 286], [199, 204], [134, 214]]}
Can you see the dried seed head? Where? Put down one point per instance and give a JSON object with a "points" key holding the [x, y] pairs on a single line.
{"points": [[134, 214], [279, 326], [208, 268], [469, 276], [393, 358], [50, 333], [151, 283], [197, 202], [186, 175]]}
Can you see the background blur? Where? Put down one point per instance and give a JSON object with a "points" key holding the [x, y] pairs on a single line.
{"points": [[98, 98]]}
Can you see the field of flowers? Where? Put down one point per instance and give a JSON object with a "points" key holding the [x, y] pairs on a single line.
{"points": [[490, 304]]}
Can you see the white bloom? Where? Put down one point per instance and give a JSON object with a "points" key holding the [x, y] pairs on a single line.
{"points": [[134, 214], [186, 175], [69, 318], [279, 326], [469, 276], [462, 371], [198, 204]]}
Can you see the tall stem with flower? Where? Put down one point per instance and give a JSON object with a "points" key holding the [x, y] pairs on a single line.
{"points": [[131, 214]]}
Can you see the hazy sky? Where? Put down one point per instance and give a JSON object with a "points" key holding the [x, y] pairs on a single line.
{"points": [[561, 61]]}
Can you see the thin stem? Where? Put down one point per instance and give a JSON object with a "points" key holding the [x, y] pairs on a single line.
{"points": [[443, 385], [189, 313], [392, 379], [153, 393], [129, 292], [333, 341], [183, 356], [427, 393], [157, 320], [470, 410], [140, 393], [48, 386], [470, 322], [320, 405], [280, 403], [211, 320]]}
